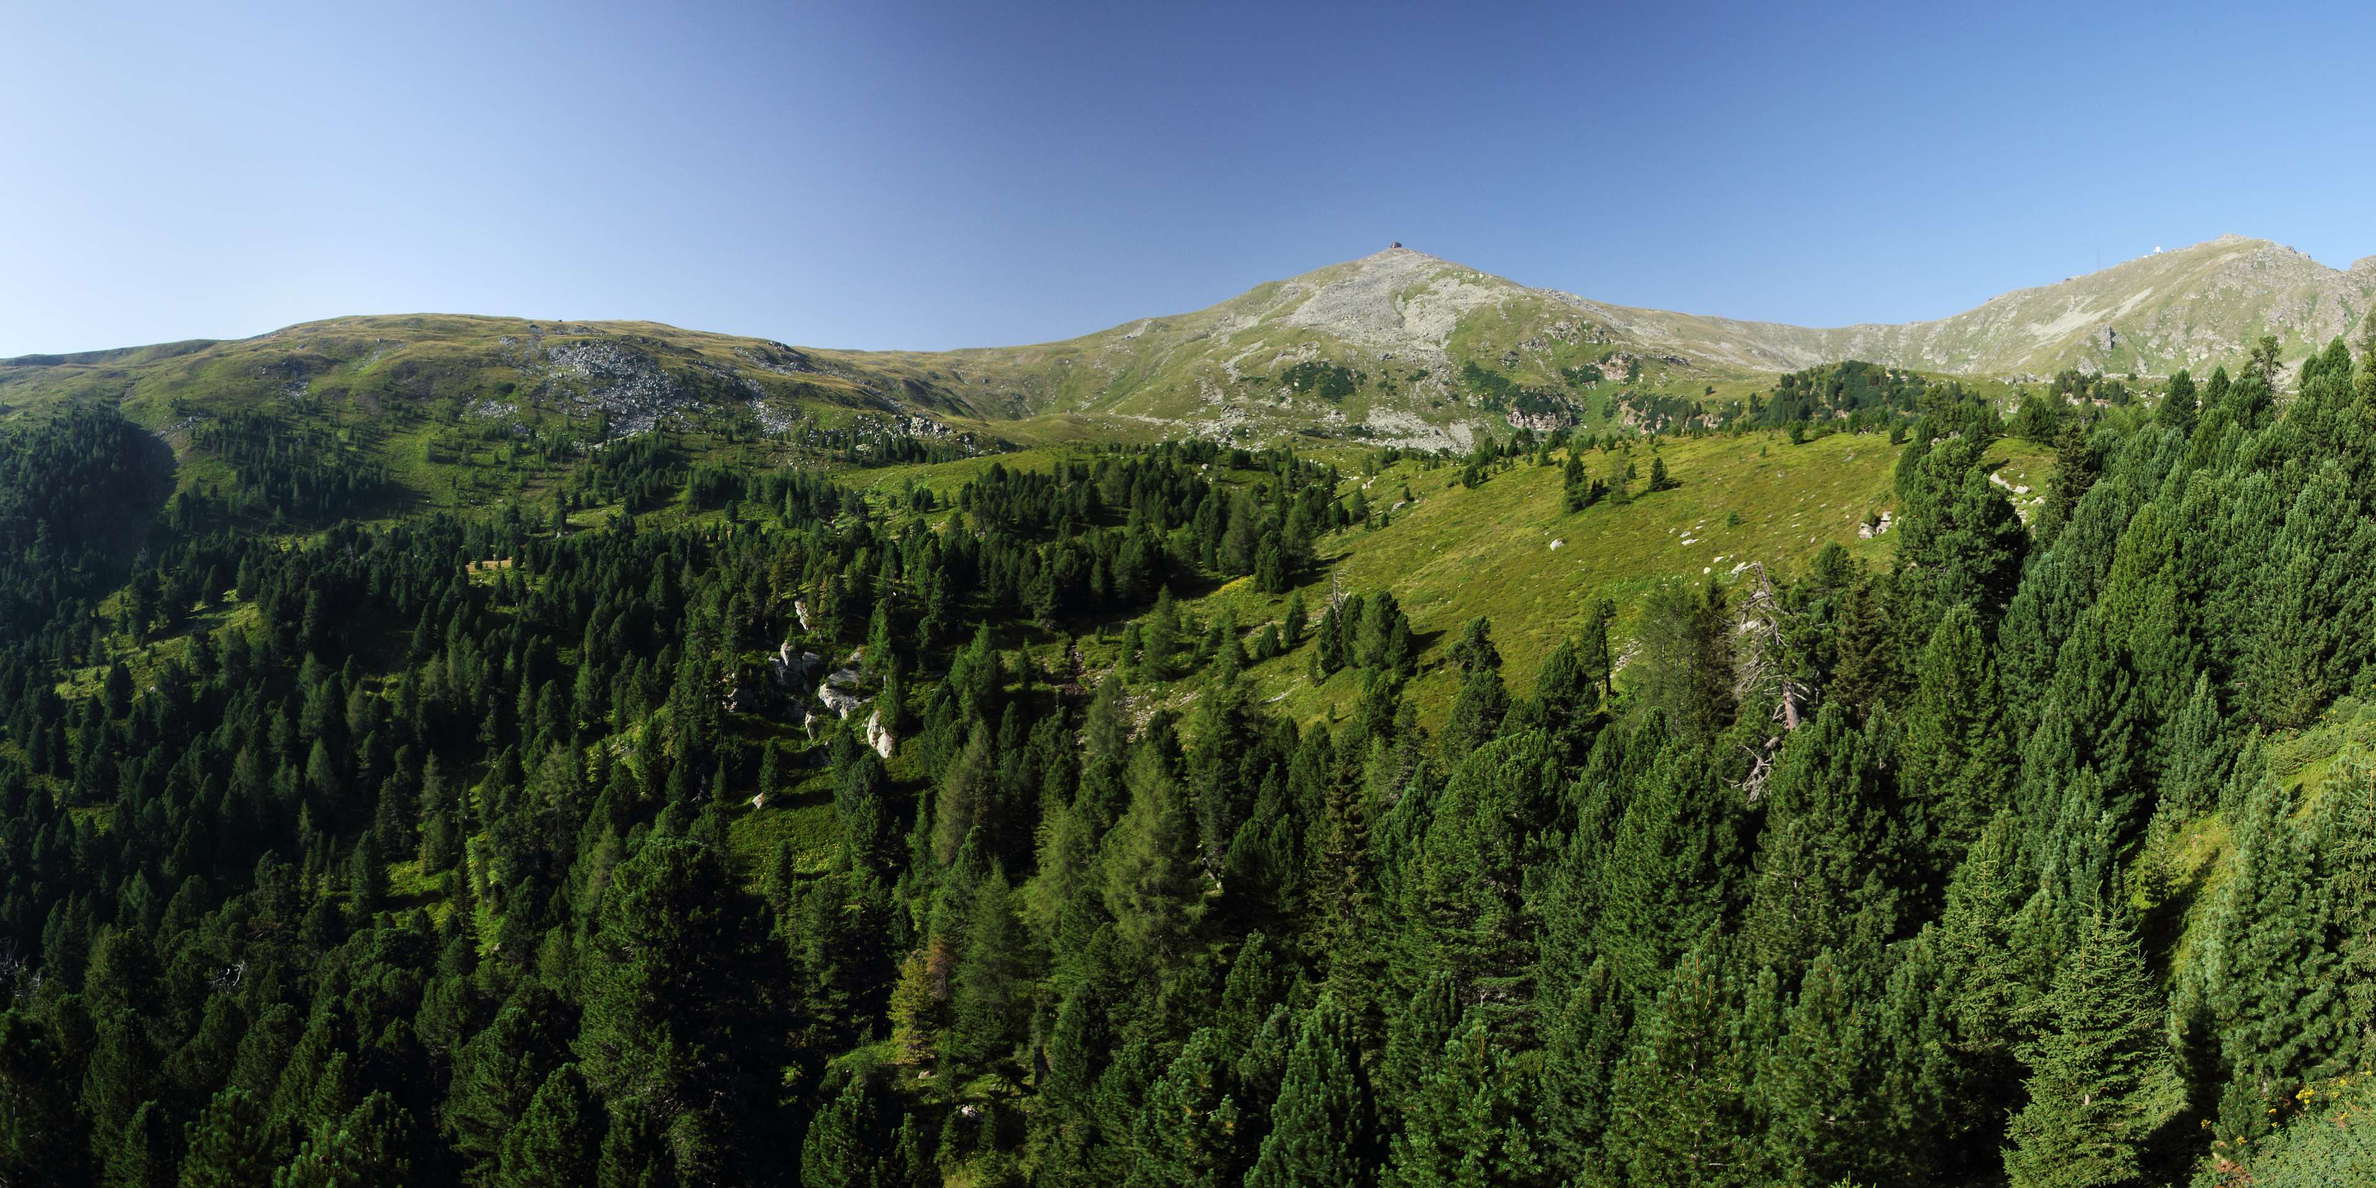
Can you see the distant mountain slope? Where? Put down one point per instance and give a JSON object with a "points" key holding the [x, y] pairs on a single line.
{"points": [[1395, 347], [445, 410], [2193, 307], [1399, 323], [629, 373], [1406, 323], [2154, 314]]}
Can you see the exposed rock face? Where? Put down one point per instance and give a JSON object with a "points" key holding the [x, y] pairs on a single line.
{"points": [[776, 357], [617, 380], [1396, 300], [793, 668], [840, 702], [1543, 422], [838, 692], [878, 735]]}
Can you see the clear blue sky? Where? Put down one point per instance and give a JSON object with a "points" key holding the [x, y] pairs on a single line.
{"points": [[933, 175]]}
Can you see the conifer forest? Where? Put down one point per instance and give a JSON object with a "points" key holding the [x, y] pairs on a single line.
{"points": [[686, 820]]}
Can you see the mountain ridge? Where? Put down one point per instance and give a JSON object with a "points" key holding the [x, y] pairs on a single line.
{"points": [[1394, 347], [1312, 283], [1408, 322]]}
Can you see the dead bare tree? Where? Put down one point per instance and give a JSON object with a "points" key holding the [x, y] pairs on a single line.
{"points": [[1762, 661], [1762, 670]]}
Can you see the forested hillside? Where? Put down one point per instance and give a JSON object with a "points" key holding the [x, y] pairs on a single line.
{"points": [[1104, 816]]}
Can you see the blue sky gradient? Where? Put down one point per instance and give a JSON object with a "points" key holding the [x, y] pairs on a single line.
{"points": [[939, 175]]}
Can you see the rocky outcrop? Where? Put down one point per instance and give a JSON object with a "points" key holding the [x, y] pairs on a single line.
{"points": [[838, 692], [792, 668], [618, 381], [1541, 422]]}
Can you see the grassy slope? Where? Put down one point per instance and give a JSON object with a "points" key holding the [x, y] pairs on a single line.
{"points": [[1457, 553]]}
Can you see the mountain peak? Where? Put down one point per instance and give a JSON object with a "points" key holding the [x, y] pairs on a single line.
{"points": [[1394, 257], [2258, 246], [1397, 299]]}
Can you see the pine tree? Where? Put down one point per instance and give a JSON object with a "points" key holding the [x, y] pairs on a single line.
{"points": [[675, 979], [498, 1071], [988, 995], [369, 1145], [1294, 621], [2272, 978], [1575, 484], [2301, 648], [1120, 1094], [1986, 980], [1476, 648], [1461, 878], [1963, 542], [1816, 1087], [2102, 1078], [557, 1143], [1679, 1101], [1658, 476], [1477, 710], [1670, 869], [1322, 1121], [146, 1155], [2200, 753], [226, 1143], [1582, 1043], [1959, 759], [1463, 1124], [2077, 465], [1384, 641], [1829, 858], [1192, 1133], [39, 1128], [844, 1136], [1240, 540], [1685, 664], [1152, 885], [1592, 642], [2178, 407]]}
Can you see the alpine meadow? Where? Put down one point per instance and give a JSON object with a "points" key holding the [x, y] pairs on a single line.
{"points": [[1399, 725]]}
